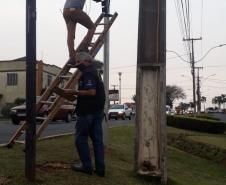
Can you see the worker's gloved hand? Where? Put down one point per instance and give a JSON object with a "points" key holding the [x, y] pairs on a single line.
{"points": [[81, 67], [97, 1]]}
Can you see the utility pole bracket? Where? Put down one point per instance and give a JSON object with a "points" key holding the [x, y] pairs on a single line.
{"points": [[145, 65]]}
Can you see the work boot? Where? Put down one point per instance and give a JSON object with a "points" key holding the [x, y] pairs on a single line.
{"points": [[100, 173]]}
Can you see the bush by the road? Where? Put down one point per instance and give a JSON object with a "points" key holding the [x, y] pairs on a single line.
{"points": [[197, 124], [6, 109], [204, 116]]}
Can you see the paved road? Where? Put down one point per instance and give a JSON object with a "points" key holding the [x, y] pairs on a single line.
{"points": [[221, 116], [7, 129]]}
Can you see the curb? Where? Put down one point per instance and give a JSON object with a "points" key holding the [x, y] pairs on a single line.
{"points": [[43, 138], [50, 137]]}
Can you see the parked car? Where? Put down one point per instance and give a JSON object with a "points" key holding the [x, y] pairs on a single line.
{"points": [[169, 111], [65, 112], [213, 110], [119, 111]]}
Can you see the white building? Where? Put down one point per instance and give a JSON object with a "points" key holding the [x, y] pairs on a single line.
{"points": [[13, 78]]}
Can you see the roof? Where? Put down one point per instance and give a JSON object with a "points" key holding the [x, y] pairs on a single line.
{"points": [[17, 59], [24, 59]]}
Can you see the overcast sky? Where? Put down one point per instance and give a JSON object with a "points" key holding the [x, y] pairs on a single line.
{"points": [[208, 22]]}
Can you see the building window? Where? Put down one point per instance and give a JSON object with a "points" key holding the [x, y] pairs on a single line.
{"points": [[12, 79], [49, 80]]}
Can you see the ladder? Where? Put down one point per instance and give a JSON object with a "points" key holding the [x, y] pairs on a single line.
{"points": [[70, 81]]}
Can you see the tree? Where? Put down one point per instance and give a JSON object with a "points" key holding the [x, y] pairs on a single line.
{"points": [[184, 106], [218, 100], [224, 99], [134, 98], [173, 93]]}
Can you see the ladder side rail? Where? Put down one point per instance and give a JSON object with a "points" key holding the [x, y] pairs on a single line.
{"points": [[74, 78], [48, 91], [83, 41], [94, 50], [57, 103], [56, 81], [99, 19], [49, 117], [17, 134]]}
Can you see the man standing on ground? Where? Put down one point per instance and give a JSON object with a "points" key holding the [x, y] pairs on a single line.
{"points": [[89, 110]]}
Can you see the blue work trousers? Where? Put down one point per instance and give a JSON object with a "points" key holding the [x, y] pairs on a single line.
{"points": [[90, 126]]}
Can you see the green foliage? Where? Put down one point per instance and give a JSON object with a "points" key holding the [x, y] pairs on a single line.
{"points": [[19, 101], [174, 93], [205, 116], [182, 168], [197, 124], [204, 150], [6, 109]]}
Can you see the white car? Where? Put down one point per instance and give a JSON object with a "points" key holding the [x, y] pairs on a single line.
{"points": [[119, 111]]}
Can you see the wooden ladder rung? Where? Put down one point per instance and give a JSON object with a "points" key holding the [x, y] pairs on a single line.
{"points": [[102, 24], [41, 118], [47, 102], [98, 33], [65, 77]]}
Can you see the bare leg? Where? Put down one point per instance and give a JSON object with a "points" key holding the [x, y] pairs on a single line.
{"points": [[85, 20], [70, 38]]}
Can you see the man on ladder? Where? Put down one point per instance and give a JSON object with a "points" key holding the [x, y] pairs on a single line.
{"points": [[73, 13]]}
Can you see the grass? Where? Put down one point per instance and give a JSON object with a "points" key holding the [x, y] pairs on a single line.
{"points": [[218, 140], [54, 157]]}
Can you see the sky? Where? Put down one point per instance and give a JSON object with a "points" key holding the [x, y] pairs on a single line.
{"points": [[208, 20]]}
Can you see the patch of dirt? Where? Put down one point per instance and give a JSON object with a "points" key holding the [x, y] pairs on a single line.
{"points": [[223, 161], [4, 180], [53, 166]]}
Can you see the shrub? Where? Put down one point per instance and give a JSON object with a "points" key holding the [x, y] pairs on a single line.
{"points": [[6, 109], [197, 124], [204, 116], [19, 101]]}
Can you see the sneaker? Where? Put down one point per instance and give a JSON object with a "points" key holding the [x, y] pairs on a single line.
{"points": [[80, 168]]}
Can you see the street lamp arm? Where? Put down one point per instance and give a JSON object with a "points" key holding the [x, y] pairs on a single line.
{"points": [[178, 55], [209, 52]]}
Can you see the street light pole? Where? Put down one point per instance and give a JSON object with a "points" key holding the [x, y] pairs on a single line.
{"points": [[114, 90], [120, 88], [30, 138]]}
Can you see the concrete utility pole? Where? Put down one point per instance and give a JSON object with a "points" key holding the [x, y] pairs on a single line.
{"points": [[193, 68], [150, 141], [120, 87], [198, 91], [106, 76], [30, 145]]}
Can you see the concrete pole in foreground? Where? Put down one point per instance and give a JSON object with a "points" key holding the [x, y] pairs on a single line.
{"points": [[150, 141], [106, 84]]}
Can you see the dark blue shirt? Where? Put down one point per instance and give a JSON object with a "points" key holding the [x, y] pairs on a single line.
{"points": [[87, 82], [87, 104]]}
